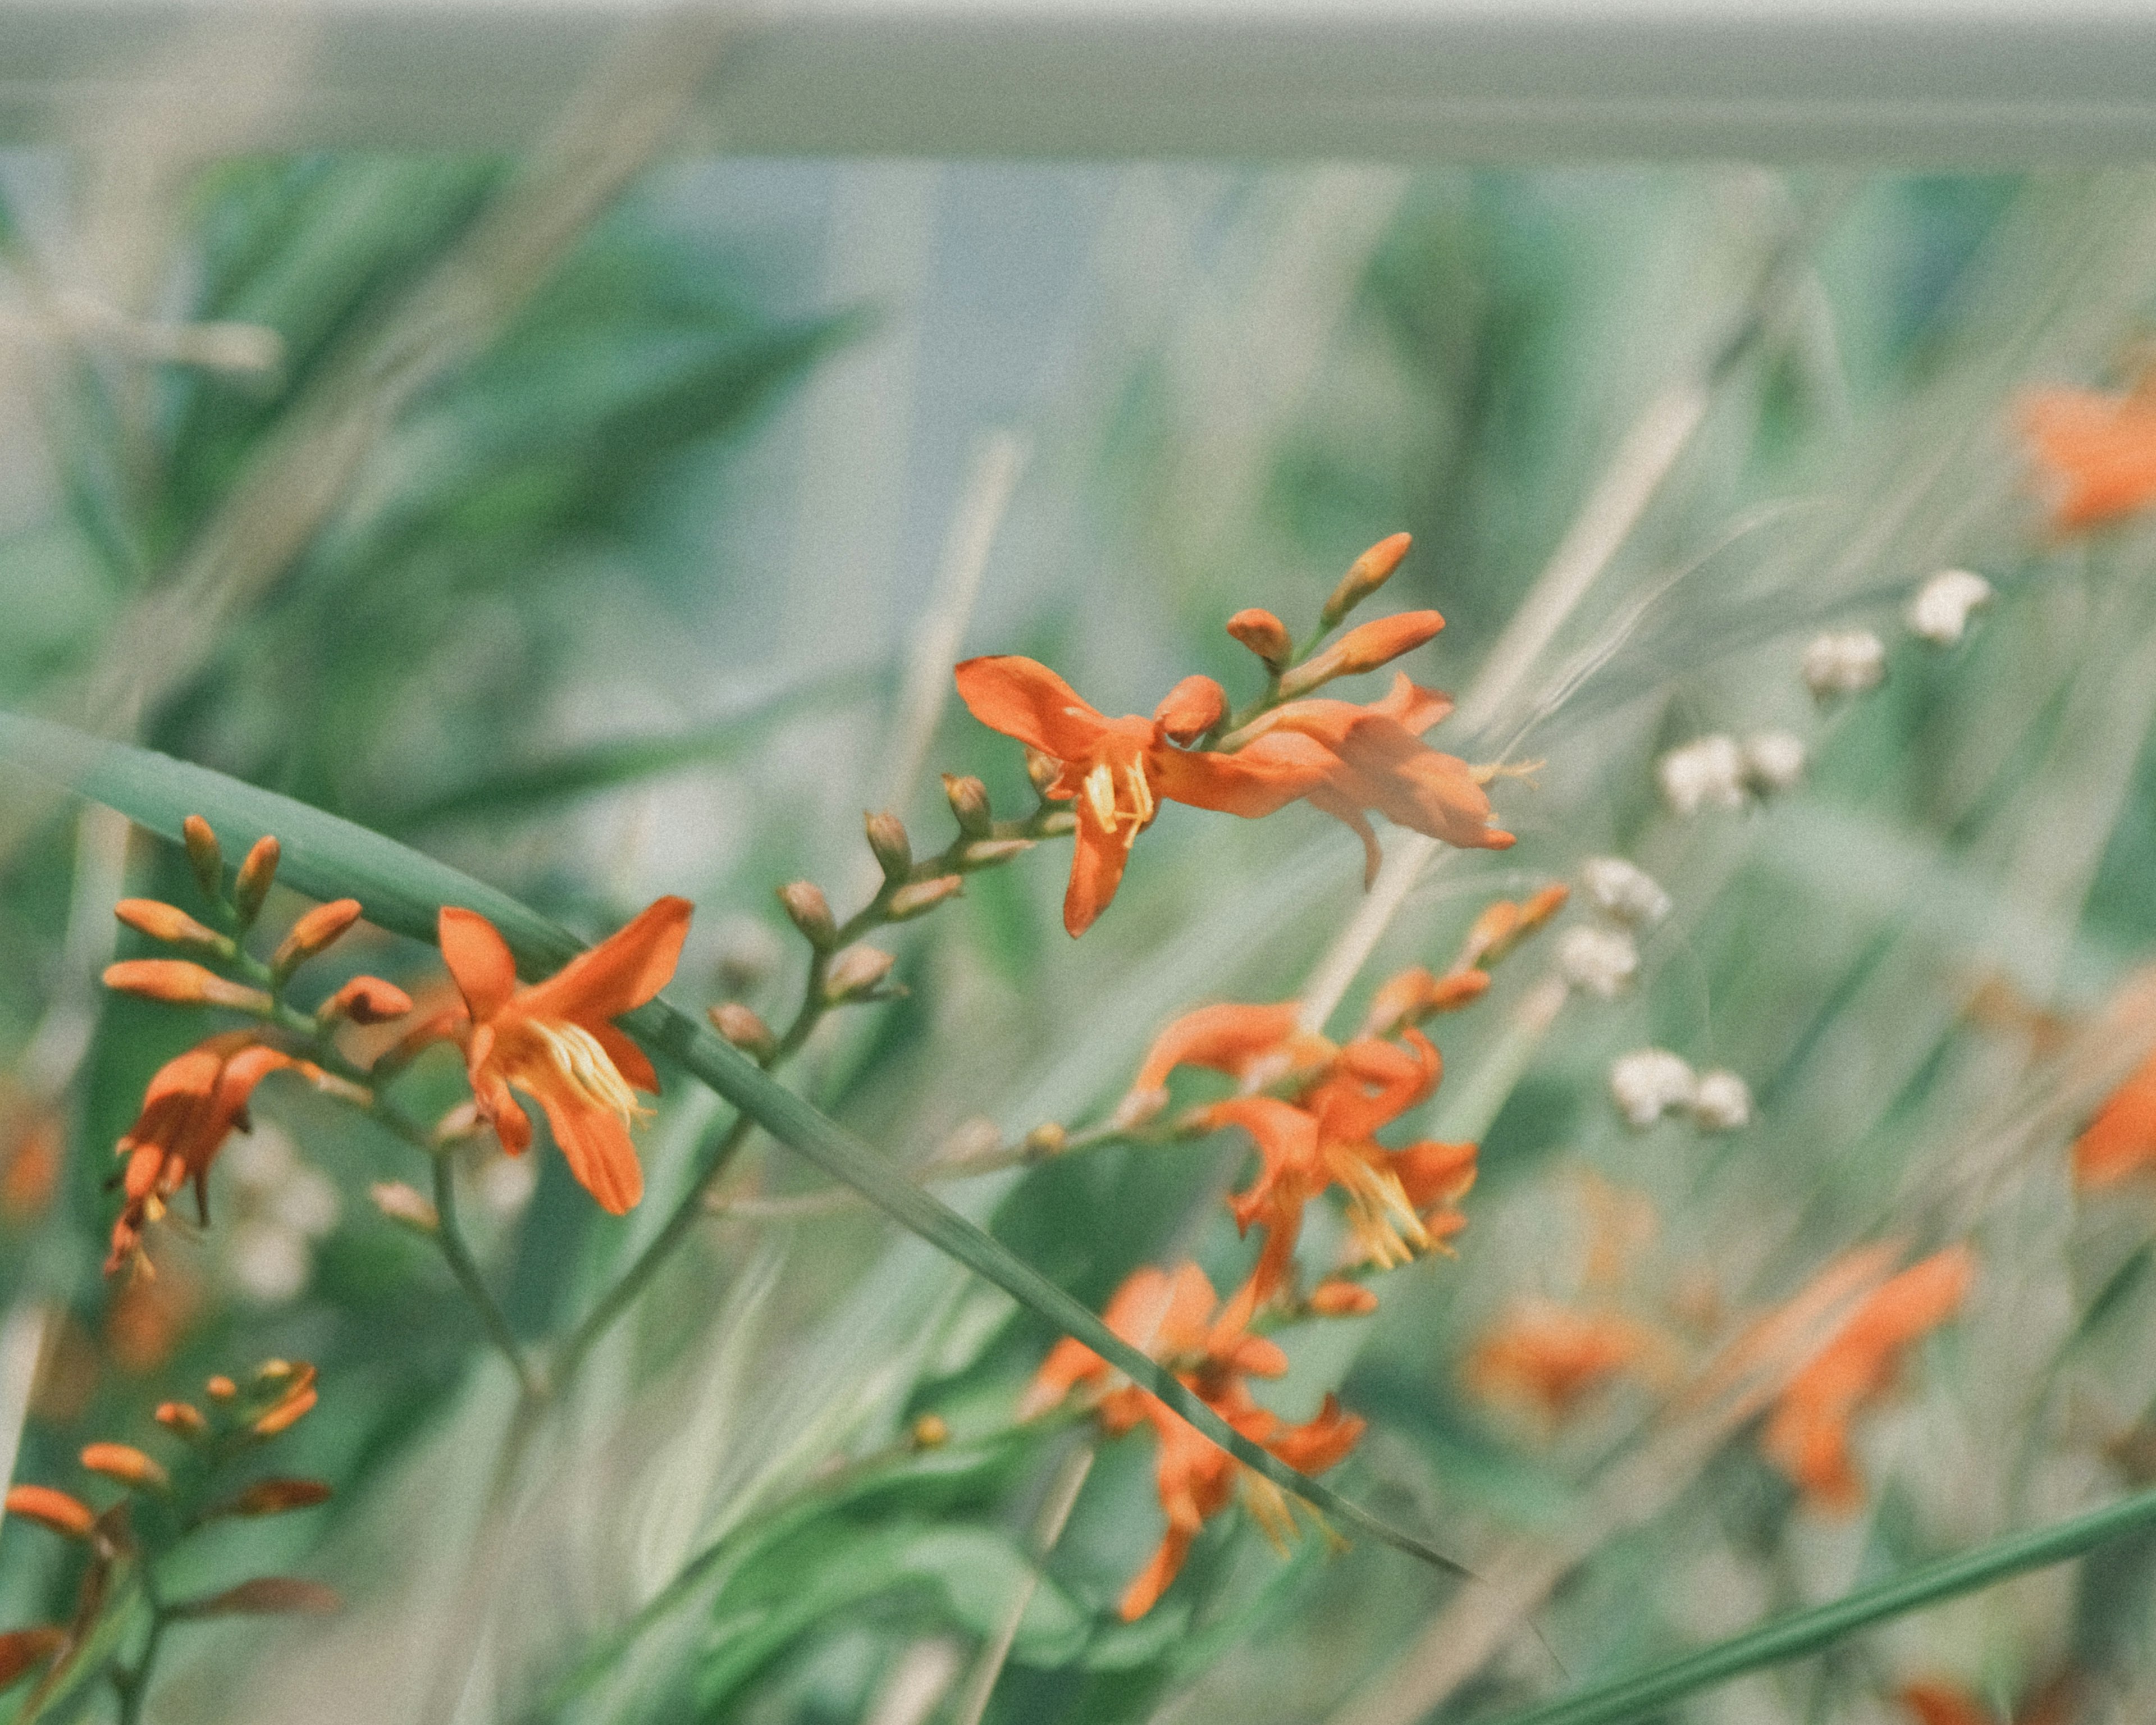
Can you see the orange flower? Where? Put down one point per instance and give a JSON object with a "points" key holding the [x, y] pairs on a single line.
{"points": [[1546, 1359], [555, 1041], [2121, 1141], [1179, 1321], [1378, 761], [1807, 1436], [1120, 770], [191, 1106], [2097, 451], [1255, 1045], [1930, 1702]]}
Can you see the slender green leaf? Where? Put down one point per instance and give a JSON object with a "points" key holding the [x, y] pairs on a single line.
{"points": [[403, 891], [1803, 1632]]}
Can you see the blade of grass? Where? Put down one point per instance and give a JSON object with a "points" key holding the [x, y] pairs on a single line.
{"points": [[1803, 1632], [402, 890]]}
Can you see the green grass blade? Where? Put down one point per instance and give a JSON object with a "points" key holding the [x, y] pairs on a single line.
{"points": [[403, 891], [1808, 1631]]}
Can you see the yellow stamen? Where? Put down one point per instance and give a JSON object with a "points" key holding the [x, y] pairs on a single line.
{"points": [[1268, 1505], [1111, 815], [1383, 1221], [577, 1054]]}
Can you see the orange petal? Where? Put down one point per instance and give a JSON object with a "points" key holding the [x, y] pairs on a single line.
{"points": [[621, 973], [1221, 1038], [1264, 775], [628, 1060], [1191, 708], [1097, 857], [479, 959], [2121, 1141], [597, 1149], [1023, 698], [1932, 1702]]}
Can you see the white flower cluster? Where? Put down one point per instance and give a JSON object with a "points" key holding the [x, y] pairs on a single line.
{"points": [[1623, 891], [1651, 1082], [1939, 613], [280, 1207], [1601, 961], [1845, 662], [1601, 958], [1718, 772]]}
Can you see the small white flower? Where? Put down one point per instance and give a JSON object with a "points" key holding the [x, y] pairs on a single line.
{"points": [[306, 1203], [1707, 772], [1847, 662], [505, 1184], [1602, 961], [1649, 1082], [1722, 1102], [1939, 613], [1624, 890], [269, 1261], [1774, 763]]}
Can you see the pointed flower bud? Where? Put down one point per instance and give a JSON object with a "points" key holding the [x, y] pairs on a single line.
{"points": [[1363, 648], [289, 1408], [1340, 1298], [274, 1497], [171, 925], [894, 850], [316, 932], [265, 1596], [1365, 576], [1044, 770], [182, 982], [68, 1517], [127, 1464], [1265, 635], [745, 1030], [182, 1418], [405, 1206], [221, 1388], [258, 871], [205, 857], [921, 897], [969, 805], [811, 911], [364, 1000], [1415, 994], [856, 974]]}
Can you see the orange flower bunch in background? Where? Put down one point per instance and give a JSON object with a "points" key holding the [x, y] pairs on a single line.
{"points": [[1344, 758], [2095, 452]]}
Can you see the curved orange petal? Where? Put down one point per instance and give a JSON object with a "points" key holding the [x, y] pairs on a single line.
{"points": [[1221, 1038], [620, 974], [1414, 708], [1389, 769], [596, 1147], [628, 1060], [1320, 1441], [1264, 775], [480, 961], [2121, 1139], [1097, 859], [1022, 698], [2100, 450], [1434, 1171], [1190, 709]]}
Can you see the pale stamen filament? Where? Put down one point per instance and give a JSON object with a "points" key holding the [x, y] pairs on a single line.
{"points": [[577, 1054], [1111, 815]]}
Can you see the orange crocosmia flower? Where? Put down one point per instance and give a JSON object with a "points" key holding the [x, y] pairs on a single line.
{"points": [[1179, 1321], [1120, 770], [190, 1108], [556, 1041], [2121, 1141], [1547, 1359], [2097, 452], [1807, 1436], [1931, 1702], [1380, 762], [1255, 1045]]}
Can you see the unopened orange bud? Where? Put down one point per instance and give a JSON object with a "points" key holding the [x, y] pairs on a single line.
{"points": [[316, 932], [221, 1388], [1365, 576], [290, 1409], [1363, 648], [365, 1000], [69, 1517], [171, 925], [1415, 994], [204, 857], [275, 1497], [1504, 925], [921, 897], [184, 982], [745, 1030], [1542, 906], [1340, 1298], [804, 902], [856, 974], [182, 1417], [127, 1464], [1265, 635], [405, 1206], [969, 805], [258, 871], [894, 850], [265, 1596]]}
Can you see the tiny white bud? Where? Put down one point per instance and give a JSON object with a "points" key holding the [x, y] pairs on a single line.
{"points": [[1602, 961], [1939, 613], [1624, 890], [1722, 1102], [1845, 662], [1707, 772], [1774, 763], [1648, 1083]]}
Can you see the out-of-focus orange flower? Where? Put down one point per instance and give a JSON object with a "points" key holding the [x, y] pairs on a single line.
{"points": [[1255, 1045], [1545, 1359], [1807, 1436], [2096, 451], [1931, 1701], [556, 1041], [2121, 1141], [1179, 1321], [32, 1140], [1379, 761], [191, 1106], [1120, 770], [149, 1316]]}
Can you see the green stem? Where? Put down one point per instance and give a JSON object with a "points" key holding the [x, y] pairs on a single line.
{"points": [[1808, 1631], [133, 1687], [465, 1269]]}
